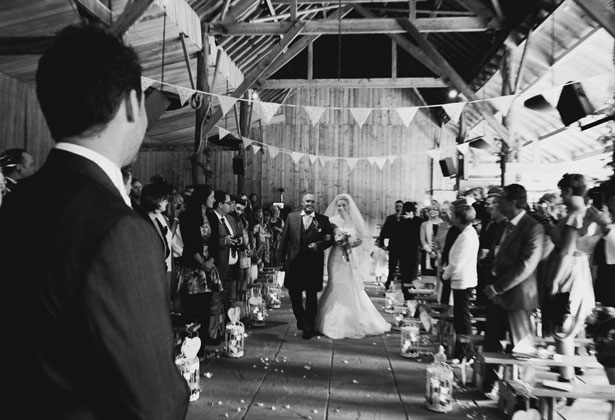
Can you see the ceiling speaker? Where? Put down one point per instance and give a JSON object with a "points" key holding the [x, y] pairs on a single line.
{"points": [[573, 104], [448, 167]]}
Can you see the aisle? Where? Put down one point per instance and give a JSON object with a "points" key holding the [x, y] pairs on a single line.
{"points": [[283, 376]]}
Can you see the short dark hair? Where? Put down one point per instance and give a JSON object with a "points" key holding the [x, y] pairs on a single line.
{"points": [[463, 212], [11, 158], [135, 179], [517, 193], [408, 206], [219, 197], [153, 194], [241, 201], [573, 182], [399, 201], [99, 71]]}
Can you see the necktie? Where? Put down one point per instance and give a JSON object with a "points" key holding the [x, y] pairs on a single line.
{"points": [[307, 221]]}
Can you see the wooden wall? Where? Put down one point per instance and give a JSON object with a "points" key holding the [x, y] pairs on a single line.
{"points": [[21, 121], [409, 177]]}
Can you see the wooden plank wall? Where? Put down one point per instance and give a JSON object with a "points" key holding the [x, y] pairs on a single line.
{"points": [[408, 177], [21, 121]]}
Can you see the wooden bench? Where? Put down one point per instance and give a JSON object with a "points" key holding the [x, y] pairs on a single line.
{"points": [[547, 396]]}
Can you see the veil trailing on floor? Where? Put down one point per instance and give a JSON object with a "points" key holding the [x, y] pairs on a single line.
{"points": [[353, 218]]}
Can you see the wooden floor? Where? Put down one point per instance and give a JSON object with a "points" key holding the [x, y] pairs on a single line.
{"points": [[282, 376]]}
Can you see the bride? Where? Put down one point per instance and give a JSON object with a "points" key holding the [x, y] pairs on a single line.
{"points": [[344, 309]]}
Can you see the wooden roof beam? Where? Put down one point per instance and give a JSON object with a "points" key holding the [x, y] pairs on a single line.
{"points": [[258, 71], [398, 83], [236, 12], [344, 2], [356, 26], [97, 10], [131, 14], [601, 12], [448, 72]]}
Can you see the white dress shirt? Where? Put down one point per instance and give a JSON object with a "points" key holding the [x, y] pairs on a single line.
{"points": [[232, 256]]}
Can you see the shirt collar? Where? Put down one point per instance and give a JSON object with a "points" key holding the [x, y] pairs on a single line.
{"points": [[303, 213], [515, 220], [111, 169]]}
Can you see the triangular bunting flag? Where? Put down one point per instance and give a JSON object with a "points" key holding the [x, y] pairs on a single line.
{"points": [[380, 162], [222, 133], [434, 154], [146, 82], [360, 115], [273, 151], [391, 159], [312, 158], [226, 103], [266, 110], [184, 94], [255, 148], [246, 142], [351, 162], [503, 103], [371, 160], [407, 114], [463, 148], [314, 112], [454, 110], [323, 160], [296, 156]]}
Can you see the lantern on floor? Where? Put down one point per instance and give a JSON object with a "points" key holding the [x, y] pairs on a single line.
{"points": [[234, 335], [274, 298], [439, 384], [391, 298], [410, 336], [188, 364], [258, 311]]}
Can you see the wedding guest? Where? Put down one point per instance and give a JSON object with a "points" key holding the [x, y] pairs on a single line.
{"points": [[487, 238], [262, 237], [603, 213], [244, 250], [276, 226], [429, 230], [391, 231], [154, 200], [461, 271], [196, 263], [451, 235], [567, 279], [137, 187], [440, 241], [94, 277], [409, 247], [17, 165]]}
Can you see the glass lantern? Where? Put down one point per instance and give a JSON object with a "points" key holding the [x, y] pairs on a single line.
{"points": [[188, 364], [410, 339], [439, 384], [233, 339], [274, 298], [258, 311], [391, 298]]}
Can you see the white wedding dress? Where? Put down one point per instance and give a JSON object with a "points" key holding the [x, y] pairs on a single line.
{"points": [[344, 309]]}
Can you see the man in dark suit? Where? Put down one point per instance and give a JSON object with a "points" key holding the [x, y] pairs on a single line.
{"points": [[391, 230], [514, 257], [224, 241], [86, 272], [305, 237]]}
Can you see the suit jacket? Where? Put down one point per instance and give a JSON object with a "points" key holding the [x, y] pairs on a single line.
{"points": [[217, 247], [462, 260], [304, 267], [515, 265], [87, 277], [391, 229]]}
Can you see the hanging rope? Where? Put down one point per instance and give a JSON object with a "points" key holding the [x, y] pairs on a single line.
{"points": [[339, 39]]}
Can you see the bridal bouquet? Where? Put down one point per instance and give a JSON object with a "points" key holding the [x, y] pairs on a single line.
{"points": [[342, 238]]}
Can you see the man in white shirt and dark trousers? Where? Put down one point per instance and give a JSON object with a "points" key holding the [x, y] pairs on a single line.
{"points": [[461, 271]]}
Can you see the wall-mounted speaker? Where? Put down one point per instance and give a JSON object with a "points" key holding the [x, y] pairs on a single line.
{"points": [[155, 104], [448, 167], [238, 168], [573, 104]]}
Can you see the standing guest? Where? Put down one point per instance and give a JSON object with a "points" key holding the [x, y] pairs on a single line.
{"points": [[245, 250], [409, 247], [461, 271], [450, 238], [516, 254], [225, 240], [17, 165], [445, 215], [487, 237], [568, 288], [391, 231], [103, 344], [262, 239], [276, 226], [137, 187], [154, 201], [197, 277], [603, 213], [429, 230], [248, 211]]}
